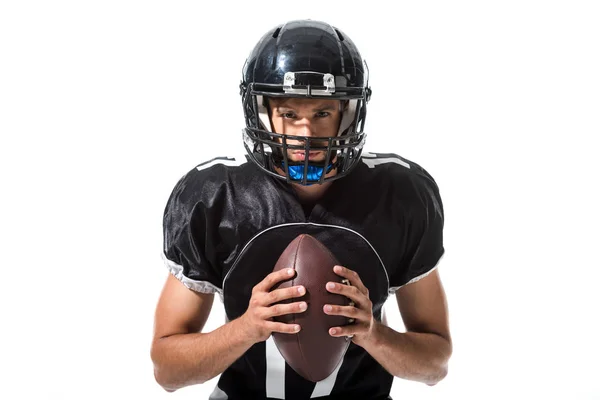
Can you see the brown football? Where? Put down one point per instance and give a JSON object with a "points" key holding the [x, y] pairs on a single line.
{"points": [[313, 353]]}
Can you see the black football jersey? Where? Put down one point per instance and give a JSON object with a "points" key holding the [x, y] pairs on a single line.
{"points": [[226, 223]]}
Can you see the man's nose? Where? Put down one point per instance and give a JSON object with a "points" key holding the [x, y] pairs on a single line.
{"points": [[306, 128]]}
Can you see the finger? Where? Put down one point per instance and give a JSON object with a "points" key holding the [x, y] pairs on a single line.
{"points": [[284, 294], [352, 276], [349, 330], [283, 309], [283, 328], [274, 277], [352, 313], [351, 292]]}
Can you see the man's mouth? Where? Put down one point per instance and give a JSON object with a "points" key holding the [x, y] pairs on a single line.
{"points": [[301, 155]]}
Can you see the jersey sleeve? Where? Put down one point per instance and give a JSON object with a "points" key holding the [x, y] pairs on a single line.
{"points": [[424, 230], [188, 242]]}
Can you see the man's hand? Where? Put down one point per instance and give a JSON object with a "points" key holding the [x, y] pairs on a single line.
{"points": [[364, 324], [258, 318]]}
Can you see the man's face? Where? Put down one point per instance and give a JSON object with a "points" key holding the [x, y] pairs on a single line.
{"points": [[315, 118]]}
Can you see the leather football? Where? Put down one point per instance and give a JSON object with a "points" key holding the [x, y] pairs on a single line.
{"points": [[313, 353]]}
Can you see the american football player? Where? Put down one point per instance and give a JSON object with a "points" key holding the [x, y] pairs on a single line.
{"points": [[304, 92]]}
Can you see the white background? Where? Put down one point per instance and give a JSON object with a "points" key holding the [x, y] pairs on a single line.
{"points": [[105, 105]]}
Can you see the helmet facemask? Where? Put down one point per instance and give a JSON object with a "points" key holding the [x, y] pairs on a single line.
{"points": [[268, 148]]}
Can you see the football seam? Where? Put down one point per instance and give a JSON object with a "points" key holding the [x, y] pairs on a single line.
{"points": [[304, 363]]}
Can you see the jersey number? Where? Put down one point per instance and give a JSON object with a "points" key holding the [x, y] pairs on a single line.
{"points": [[275, 383]]}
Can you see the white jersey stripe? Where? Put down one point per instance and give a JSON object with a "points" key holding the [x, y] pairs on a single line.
{"points": [[229, 162], [275, 371], [372, 162]]}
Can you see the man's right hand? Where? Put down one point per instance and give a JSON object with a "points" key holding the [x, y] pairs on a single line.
{"points": [[258, 318]]}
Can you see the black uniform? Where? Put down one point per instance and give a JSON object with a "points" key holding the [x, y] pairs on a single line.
{"points": [[226, 224]]}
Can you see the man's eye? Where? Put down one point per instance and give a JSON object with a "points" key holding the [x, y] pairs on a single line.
{"points": [[288, 115], [322, 114]]}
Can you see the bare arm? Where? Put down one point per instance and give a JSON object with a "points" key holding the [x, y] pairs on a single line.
{"points": [[184, 356], [181, 354], [422, 353]]}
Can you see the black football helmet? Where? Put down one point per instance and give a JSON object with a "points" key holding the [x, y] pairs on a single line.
{"points": [[305, 59]]}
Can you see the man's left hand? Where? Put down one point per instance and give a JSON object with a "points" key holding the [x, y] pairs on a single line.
{"points": [[363, 328]]}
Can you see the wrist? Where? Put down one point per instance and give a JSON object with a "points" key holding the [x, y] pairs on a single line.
{"points": [[375, 337], [241, 330]]}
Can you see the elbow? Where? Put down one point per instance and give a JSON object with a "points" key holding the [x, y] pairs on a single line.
{"points": [[163, 375], [163, 381], [171, 386], [438, 376], [440, 367], [159, 374], [166, 381], [170, 379]]}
